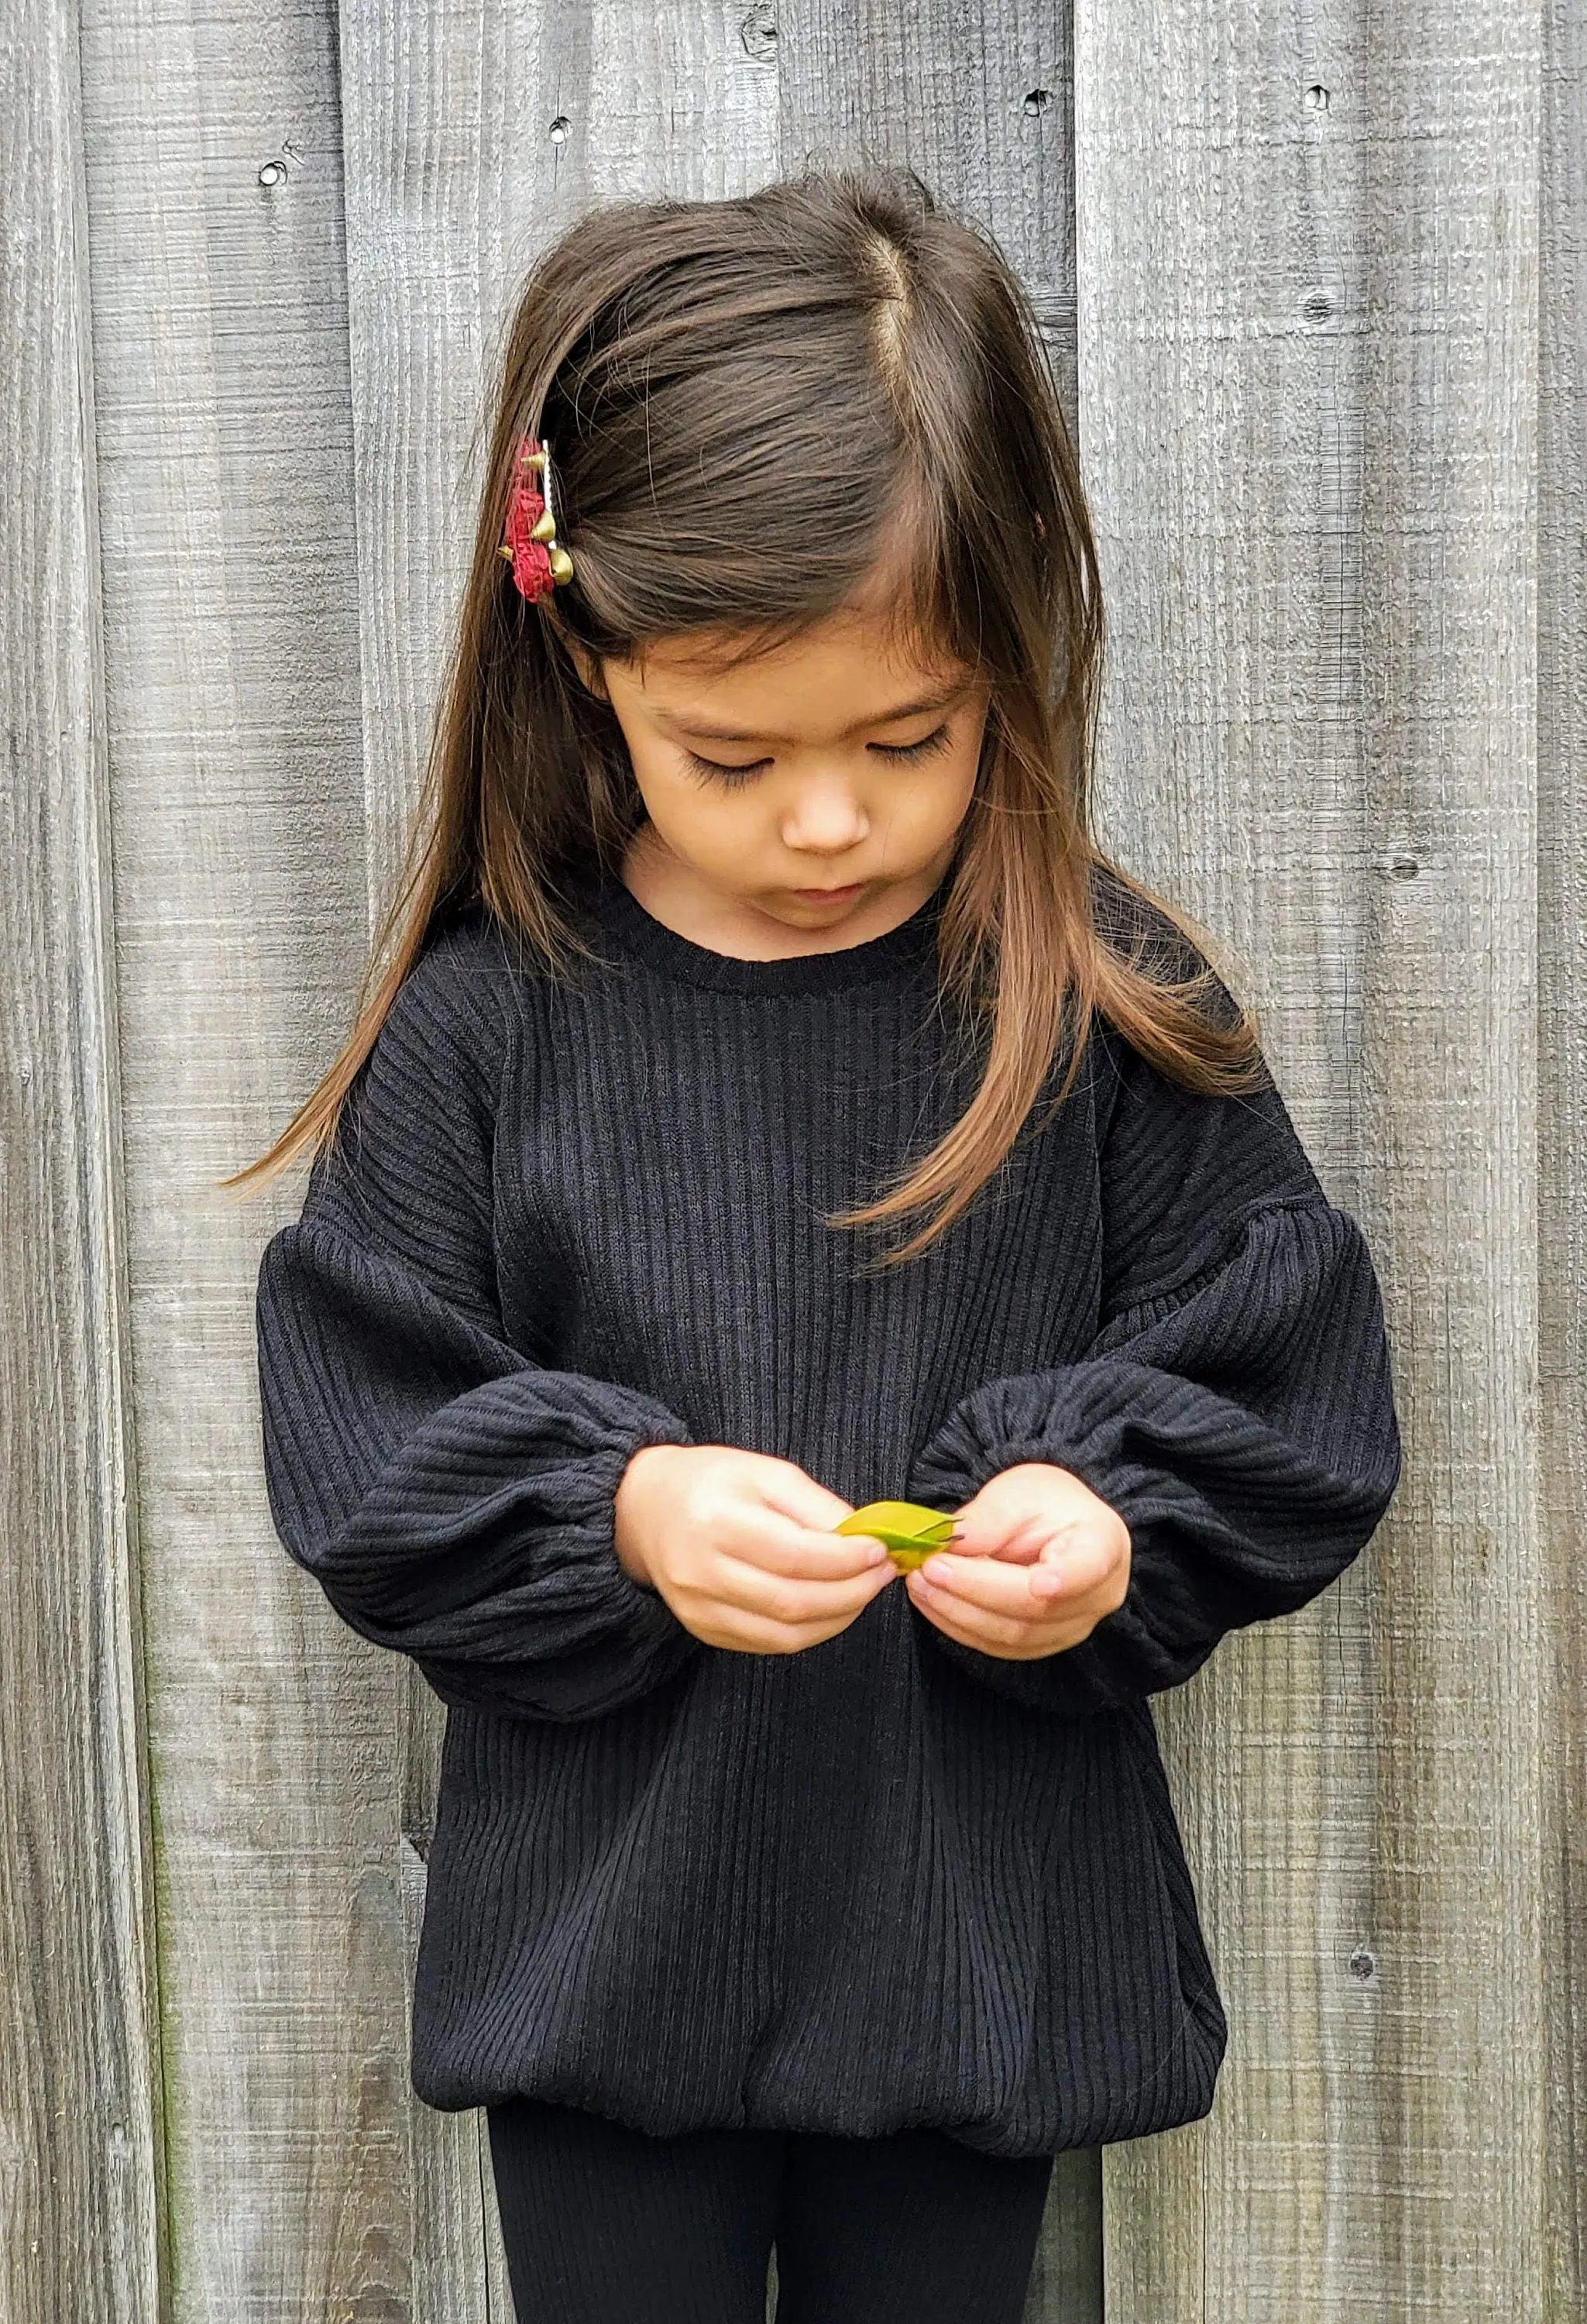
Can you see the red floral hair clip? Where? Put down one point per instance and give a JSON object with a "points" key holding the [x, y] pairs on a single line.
{"points": [[531, 546]]}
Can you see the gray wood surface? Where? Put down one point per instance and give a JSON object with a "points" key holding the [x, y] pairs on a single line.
{"points": [[1314, 284], [79, 2148], [231, 653], [1307, 385], [1561, 1146]]}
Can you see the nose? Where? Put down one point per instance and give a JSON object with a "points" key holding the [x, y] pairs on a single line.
{"points": [[825, 819]]}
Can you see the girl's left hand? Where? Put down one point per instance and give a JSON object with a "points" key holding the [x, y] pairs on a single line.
{"points": [[1038, 1560]]}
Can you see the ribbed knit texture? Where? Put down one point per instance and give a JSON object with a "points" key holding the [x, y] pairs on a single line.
{"points": [[889, 1881]]}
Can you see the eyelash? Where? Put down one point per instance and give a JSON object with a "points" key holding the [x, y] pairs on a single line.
{"points": [[899, 753]]}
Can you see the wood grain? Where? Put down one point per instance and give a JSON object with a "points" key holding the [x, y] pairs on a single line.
{"points": [[1561, 1144], [1307, 362], [80, 2156], [231, 653]]}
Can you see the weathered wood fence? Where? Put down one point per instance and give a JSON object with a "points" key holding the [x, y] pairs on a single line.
{"points": [[1315, 274]]}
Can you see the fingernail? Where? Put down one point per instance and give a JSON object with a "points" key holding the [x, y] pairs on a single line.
{"points": [[877, 1554]]}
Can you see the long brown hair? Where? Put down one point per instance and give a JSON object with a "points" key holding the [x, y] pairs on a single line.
{"points": [[749, 401]]}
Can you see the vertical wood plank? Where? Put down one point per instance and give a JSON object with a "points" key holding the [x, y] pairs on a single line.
{"points": [[474, 137], [980, 103], [80, 2139], [1562, 919], [1307, 251], [221, 381]]}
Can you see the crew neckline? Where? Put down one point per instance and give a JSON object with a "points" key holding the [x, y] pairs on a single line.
{"points": [[897, 955]]}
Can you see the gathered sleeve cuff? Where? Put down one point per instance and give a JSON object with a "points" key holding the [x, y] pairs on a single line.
{"points": [[453, 1501], [1242, 1425], [453, 1498]]}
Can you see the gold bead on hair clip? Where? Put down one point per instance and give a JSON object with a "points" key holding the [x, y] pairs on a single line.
{"points": [[539, 564]]}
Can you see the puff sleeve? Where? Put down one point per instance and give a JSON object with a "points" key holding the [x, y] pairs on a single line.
{"points": [[452, 1498], [1234, 1405]]}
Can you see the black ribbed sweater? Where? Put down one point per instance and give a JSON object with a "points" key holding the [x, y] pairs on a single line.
{"points": [[889, 1880]]}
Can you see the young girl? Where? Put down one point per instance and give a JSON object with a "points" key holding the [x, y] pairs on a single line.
{"points": [[777, 1897]]}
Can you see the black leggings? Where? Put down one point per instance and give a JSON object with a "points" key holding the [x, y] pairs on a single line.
{"points": [[603, 2225]]}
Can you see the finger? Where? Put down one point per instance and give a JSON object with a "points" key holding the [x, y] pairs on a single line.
{"points": [[985, 1582], [736, 1632], [977, 1528], [1012, 1519], [778, 1545], [1079, 1566], [1018, 1543], [972, 1624], [789, 1601], [992, 1634], [1070, 1568], [1010, 1531], [941, 1617]]}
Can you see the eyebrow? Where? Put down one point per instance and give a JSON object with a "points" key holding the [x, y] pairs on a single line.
{"points": [[686, 725]]}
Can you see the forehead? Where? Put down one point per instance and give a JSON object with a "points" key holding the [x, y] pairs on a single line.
{"points": [[852, 669]]}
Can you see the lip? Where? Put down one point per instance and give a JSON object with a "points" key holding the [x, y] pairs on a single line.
{"points": [[828, 895]]}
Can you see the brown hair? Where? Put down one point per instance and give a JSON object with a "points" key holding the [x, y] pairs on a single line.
{"points": [[749, 403]]}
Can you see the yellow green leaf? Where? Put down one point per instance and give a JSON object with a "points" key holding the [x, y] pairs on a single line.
{"points": [[908, 1531]]}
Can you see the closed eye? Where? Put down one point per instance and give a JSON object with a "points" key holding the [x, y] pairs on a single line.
{"points": [[715, 772], [902, 752], [900, 755]]}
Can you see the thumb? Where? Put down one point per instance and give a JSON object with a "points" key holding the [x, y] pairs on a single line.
{"points": [[981, 1530], [1069, 1562], [1048, 1578], [975, 1534]]}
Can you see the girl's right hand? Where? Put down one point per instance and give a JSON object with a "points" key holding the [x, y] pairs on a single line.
{"points": [[741, 1546]]}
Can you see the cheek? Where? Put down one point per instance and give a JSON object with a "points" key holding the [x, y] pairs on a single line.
{"points": [[665, 788], [966, 767], [709, 823], [939, 798]]}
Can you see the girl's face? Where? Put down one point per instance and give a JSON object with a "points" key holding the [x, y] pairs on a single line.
{"points": [[819, 786]]}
